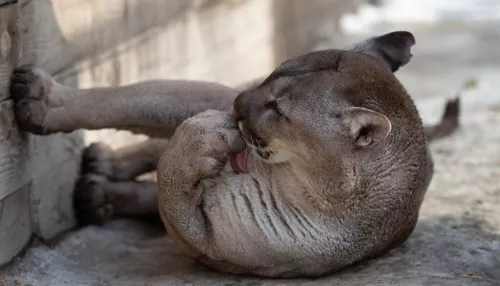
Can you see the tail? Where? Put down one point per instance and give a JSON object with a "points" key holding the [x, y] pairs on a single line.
{"points": [[448, 124]]}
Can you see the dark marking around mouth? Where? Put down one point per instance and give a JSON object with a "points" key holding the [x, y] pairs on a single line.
{"points": [[257, 140], [264, 154]]}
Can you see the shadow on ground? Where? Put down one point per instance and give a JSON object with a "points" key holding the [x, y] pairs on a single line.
{"points": [[442, 251]]}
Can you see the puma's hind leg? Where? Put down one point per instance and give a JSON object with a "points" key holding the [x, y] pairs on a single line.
{"points": [[125, 163], [107, 187], [96, 199]]}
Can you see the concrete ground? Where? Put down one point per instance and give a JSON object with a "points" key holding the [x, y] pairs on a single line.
{"points": [[456, 242]]}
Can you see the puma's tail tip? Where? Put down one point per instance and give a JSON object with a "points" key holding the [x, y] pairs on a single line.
{"points": [[450, 121], [452, 112]]}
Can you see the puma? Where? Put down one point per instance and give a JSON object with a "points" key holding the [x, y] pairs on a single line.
{"points": [[323, 164]]}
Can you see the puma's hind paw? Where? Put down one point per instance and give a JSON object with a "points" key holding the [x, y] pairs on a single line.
{"points": [[90, 201]]}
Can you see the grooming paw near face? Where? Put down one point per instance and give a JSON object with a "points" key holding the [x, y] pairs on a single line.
{"points": [[207, 139]]}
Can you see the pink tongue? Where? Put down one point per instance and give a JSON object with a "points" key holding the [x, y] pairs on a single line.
{"points": [[239, 163]]}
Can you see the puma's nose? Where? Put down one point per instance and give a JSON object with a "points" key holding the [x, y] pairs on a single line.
{"points": [[239, 107]]}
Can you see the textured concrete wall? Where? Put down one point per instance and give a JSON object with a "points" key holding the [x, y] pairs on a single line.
{"points": [[226, 41], [36, 173]]}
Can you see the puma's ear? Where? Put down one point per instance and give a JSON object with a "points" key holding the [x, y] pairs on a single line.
{"points": [[366, 126], [393, 48]]}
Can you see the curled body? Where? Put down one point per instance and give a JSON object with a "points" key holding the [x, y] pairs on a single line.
{"points": [[337, 166]]}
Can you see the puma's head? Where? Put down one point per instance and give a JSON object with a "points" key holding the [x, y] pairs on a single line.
{"points": [[348, 139], [329, 104]]}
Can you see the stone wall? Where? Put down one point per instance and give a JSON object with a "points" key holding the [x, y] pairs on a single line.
{"points": [[226, 41], [36, 173]]}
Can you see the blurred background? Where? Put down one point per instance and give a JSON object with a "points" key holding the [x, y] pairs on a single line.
{"points": [[89, 43]]}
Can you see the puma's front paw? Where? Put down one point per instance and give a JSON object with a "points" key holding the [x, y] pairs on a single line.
{"points": [[207, 139], [30, 87]]}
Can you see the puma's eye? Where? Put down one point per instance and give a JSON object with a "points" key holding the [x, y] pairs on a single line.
{"points": [[274, 106]]}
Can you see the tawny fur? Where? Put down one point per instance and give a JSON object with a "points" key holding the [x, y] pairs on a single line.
{"points": [[337, 156]]}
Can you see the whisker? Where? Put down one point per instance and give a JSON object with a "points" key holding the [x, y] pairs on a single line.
{"points": [[262, 150], [255, 156], [280, 164]]}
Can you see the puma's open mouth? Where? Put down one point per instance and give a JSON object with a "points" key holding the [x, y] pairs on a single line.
{"points": [[263, 153], [239, 161]]}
